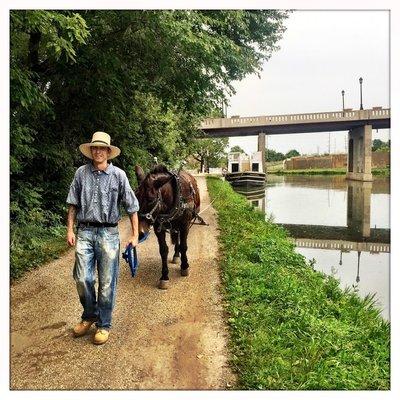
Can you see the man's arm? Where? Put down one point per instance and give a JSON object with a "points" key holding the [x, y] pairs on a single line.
{"points": [[134, 239], [131, 205], [70, 225]]}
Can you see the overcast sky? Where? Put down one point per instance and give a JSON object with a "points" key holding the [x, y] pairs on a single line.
{"points": [[321, 53]]}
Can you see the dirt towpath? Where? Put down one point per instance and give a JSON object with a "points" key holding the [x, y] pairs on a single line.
{"points": [[173, 339]]}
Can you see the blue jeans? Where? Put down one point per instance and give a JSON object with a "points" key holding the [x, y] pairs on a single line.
{"points": [[97, 246]]}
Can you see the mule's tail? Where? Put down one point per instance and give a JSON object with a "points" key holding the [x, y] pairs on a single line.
{"points": [[174, 237]]}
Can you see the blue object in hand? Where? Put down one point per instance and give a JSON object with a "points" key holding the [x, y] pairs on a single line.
{"points": [[130, 254]]}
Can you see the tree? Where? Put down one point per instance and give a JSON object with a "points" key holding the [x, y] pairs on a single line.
{"points": [[379, 145], [292, 153], [237, 149], [145, 76], [39, 40], [209, 152], [272, 155], [376, 144]]}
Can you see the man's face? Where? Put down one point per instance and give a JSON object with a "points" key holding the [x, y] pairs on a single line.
{"points": [[100, 153]]}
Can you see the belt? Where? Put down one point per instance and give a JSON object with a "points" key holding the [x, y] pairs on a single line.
{"points": [[95, 224]]}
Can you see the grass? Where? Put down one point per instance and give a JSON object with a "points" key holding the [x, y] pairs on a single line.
{"points": [[274, 166], [381, 171], [292, 327], [314, 171], [324, 171], [33, 245]]}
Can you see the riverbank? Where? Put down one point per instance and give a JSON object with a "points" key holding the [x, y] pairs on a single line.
{"points": [[291, 327], [324, 171]]}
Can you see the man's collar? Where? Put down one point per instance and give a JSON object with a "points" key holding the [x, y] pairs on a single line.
{"points": [[107, 170]]}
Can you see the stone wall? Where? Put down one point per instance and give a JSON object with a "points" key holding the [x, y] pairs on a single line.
{"points": [[379, 160]]}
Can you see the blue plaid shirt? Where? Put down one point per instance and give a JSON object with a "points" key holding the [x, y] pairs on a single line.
{"points": [[98, 194]]}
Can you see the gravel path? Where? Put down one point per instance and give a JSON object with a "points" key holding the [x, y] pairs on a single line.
{"points": [[173, 339]]}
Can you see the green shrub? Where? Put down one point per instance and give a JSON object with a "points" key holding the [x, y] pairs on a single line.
{"points": [[33, 244]]}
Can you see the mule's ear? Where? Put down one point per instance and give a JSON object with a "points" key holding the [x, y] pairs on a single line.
{"points": [[161, 181], [139, 174]]}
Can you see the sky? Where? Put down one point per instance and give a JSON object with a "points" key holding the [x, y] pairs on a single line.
{"points": [[321, 53]]}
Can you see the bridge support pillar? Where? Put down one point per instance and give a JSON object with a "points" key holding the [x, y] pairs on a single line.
{"points": [[261, 147], [359, 208], [359, 154]]}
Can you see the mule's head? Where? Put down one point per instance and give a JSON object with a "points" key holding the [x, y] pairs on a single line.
{"points": [[148, 194]]}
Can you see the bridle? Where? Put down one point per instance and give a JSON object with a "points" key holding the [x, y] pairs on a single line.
{"points": [[180, 205], [149, 216]]}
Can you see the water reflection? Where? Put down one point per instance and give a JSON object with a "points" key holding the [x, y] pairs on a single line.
{"points": [[256, 196], [342, 225]]}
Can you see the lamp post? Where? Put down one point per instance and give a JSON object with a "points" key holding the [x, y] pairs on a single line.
{"points": [[361, 104], [343, 101], [358, 266]]}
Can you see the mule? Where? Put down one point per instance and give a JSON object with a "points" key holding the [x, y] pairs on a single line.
{"points": [[168, 201]]}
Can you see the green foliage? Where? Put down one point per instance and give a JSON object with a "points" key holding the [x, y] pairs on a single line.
{"points": [[291, 327], [146, 77], [292, 153], [310, 171], [272, 155], [236, 149], [39, 39], [381, 171], [379, 145], [209, 152], [32, 244]]}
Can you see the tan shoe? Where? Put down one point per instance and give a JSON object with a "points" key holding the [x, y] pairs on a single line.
{"points": [[101, 336], [82, 328]]}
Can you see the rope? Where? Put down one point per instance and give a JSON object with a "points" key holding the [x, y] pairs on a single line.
{"points": [[215, 198], [207, 206]]}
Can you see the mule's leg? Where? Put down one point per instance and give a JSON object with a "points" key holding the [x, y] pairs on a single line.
{"points": [[163, 284], [175, 241], [175, 258], [183, 249]]}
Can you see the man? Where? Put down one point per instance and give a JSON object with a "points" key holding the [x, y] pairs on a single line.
{"points": [[94, 197]]}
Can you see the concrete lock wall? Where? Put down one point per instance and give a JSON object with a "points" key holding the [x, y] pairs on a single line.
{"points": [[380, 159]]}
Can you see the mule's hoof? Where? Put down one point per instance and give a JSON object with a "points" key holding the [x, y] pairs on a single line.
{"points": [[163, 284], [185, 272], [175, 260]]}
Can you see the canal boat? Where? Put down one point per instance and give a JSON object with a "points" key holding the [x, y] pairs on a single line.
{"points": [[245, 170]]}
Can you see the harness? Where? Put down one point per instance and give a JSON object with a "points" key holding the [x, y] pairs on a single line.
{"points": [[181, 204]]}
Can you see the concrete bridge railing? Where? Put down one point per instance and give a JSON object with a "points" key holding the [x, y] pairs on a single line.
{"points": [[343, 245], [347, 115]]}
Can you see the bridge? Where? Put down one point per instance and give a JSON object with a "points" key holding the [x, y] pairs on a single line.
{"points": [[342, 245], [359, 123], [339, 234]]}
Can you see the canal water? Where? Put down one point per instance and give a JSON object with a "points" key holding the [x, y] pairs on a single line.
{"points": [[343, 226]]}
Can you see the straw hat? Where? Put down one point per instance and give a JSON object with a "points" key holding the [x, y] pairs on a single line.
{"points": [[100, 139]]}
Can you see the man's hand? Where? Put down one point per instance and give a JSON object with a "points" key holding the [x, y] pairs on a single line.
{"points": [[70, 225], [134, 240], [71, 238]]}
